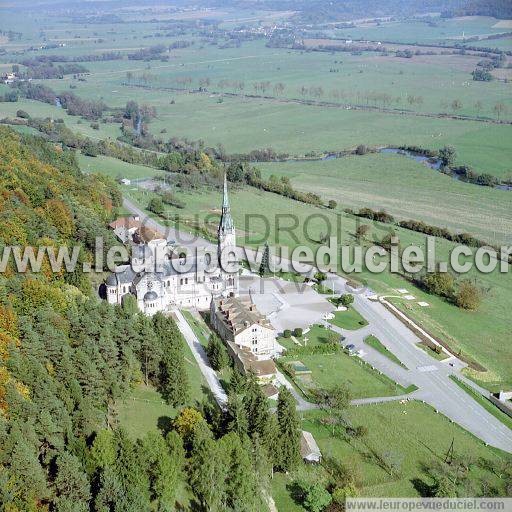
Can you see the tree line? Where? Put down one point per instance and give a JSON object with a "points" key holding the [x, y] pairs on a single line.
{"points": [[69, 357]]}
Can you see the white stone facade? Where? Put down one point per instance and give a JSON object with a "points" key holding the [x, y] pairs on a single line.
{"points": [[159, 277], [237, 320]]}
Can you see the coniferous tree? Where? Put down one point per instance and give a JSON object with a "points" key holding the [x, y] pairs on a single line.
{"points": [[217, 353], [27, 477], [132, 476], [71, 484], [258, 414], [103, 450], [109, 491], [261, 463], [237, 382], [208, 468], [241, 485], [288, 453], [163, 468], [236, 416], [150, 352], [173, 379], [265, 262]]}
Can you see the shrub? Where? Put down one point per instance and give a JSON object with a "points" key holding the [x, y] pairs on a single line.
{"points": [[310, 350], [313, 495], [156, 205], [340, 494], [287, 333], [360, 431], [297, 332], [439, 283], [22, 114], [468, 296], [379, 216], [346, 299]]}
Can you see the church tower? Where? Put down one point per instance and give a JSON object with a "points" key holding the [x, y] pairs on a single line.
{"points": [[226, 231], [226, 240]]}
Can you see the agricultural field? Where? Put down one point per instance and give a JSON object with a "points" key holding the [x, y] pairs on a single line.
{"points": [[403, 188], [429, 30], [344, 78], [116, 168]]}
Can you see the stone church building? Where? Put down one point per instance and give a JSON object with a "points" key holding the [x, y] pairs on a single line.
{"points": [[160, 276]]}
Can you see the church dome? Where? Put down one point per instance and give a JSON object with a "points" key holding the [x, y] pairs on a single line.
{"points": [[151, 295]]}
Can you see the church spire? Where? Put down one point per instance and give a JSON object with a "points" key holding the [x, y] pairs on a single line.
{"points": [[226, 221]]}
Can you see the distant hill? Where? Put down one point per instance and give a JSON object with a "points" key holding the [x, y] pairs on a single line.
{"points": [[318, 11], [497, 8]]}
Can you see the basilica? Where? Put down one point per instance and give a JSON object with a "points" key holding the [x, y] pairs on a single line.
{"points": [[161, 275]]}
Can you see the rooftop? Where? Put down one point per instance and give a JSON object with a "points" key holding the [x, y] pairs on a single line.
{"points": [[145, 234], [308, 447], [126, 222], [261, 368], [240, 313]]}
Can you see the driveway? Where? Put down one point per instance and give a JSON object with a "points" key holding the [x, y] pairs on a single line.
{"points": [[202, 359]]}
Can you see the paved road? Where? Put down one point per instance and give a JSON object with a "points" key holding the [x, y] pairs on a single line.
{"points": [[202, 359], [429, 375]]}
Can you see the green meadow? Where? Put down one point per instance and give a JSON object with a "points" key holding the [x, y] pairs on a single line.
{"points": [[437, 79], [404, 188], [410, 434], [116, 168], [446, 31]]}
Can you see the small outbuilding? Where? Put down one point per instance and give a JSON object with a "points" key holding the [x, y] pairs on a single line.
{"points": [[309, 450]]}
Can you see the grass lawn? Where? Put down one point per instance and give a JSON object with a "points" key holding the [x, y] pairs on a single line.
{"points": [[201, 330], [316, 336], [377, 345], [330, 369], [349, 319], [484, 402], [140, 411], [413, 433], [432, 353], [323, 289], [290, 276]]}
